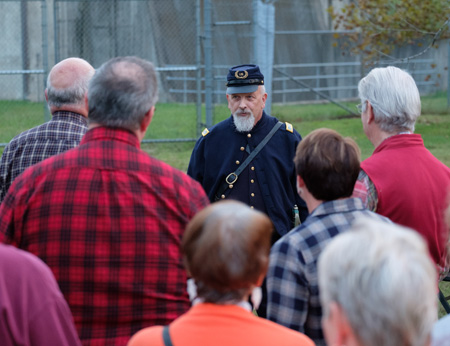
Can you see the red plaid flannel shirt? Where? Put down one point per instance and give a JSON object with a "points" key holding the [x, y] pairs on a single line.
{"points": [[108, 220]]}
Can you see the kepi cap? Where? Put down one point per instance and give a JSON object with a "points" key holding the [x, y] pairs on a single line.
{"points": [[243, 79]]}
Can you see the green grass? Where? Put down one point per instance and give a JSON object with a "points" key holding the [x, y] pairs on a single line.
{"points": [[18, 116], [179, 121], [445, 288]]}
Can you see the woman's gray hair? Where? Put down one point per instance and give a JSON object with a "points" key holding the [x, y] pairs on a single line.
{"points": [[226, 250], [121, 92], [385, 281], [394, 97]]}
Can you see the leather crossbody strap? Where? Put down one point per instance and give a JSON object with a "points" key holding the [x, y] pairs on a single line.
{"points": [[166, 336], [233, 177]]}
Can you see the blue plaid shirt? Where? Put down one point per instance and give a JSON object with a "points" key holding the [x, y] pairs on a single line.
{"points": [[63, 132], [292, 285]]}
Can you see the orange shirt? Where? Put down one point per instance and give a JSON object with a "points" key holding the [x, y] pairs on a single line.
{"points": [[221, 325]]}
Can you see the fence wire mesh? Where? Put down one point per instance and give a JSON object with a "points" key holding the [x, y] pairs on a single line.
{"points": [[21, 57], [172, 34]]}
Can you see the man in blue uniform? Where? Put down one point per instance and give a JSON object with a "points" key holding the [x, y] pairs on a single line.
{"points": [[268, 181]]}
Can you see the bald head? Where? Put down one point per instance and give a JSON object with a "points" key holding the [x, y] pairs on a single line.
{"points": [[67, 85]]}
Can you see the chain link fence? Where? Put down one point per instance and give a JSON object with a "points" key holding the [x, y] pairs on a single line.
{"points": [[192, 43], [308, 62], [309, 59], [38, 34], [22, 65]]}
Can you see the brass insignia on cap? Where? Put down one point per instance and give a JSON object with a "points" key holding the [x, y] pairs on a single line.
{"points": [[205, 132], [241, 74], [289, 127]]}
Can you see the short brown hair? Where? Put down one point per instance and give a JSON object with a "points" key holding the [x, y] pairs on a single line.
{"points": [[328, 164], [226, 249]]}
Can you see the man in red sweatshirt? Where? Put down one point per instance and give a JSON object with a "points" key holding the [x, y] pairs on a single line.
{"points": [[402, 179]]}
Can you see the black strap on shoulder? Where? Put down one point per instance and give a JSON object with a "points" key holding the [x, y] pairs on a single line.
{"points": [[166, 336], [233, 177]]}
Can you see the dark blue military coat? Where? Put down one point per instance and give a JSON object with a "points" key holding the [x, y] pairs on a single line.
{"points": [[269, 181]]}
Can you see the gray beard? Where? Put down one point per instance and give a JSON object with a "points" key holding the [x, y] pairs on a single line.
{"points": [[244, 124]]}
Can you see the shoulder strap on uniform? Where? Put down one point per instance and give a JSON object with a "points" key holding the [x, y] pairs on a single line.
{"points": [[232, 177], [205, 132], [289, 127], [166, 336]]}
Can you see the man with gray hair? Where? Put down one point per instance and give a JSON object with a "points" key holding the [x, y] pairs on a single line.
{"points": [[67, 85], [402, 180], [106, 217], [248, 157], [377, 287]]}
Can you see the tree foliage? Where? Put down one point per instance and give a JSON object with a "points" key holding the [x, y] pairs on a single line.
{"points": [[377, 27]]}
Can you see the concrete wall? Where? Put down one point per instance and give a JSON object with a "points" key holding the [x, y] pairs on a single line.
{"points": [[165, 33]]}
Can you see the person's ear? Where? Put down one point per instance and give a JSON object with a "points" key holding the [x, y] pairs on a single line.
{"points": [[229, 102], [264, 98], [300, 182], [370, 115], [261, 278], [147, 119], [86, 102], [338, 328], [46, 95]]}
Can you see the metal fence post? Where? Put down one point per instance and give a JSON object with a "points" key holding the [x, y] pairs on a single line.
{"points": [[198, 62], [317, 80], [263, 43], [208, 62], [255, 31], [448, 75], [45, 53], [55, 30], [24, 44]]}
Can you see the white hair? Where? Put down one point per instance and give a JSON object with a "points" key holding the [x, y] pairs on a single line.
{"points": [[385, 281], [244, 124], [394, 97]]}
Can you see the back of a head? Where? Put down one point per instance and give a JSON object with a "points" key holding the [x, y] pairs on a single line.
{"points": [[383, 278], [394, 97], [67, 83], [328, 163], [226, 250], [121, 92]]}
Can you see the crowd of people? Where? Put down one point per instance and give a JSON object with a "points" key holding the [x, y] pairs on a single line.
{"points": [[268, 239]]}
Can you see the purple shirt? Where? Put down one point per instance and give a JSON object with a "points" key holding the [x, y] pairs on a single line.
{"points": [[33, 310]]}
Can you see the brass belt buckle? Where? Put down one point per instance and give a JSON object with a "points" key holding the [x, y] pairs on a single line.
{"points": [[231, 176]]}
